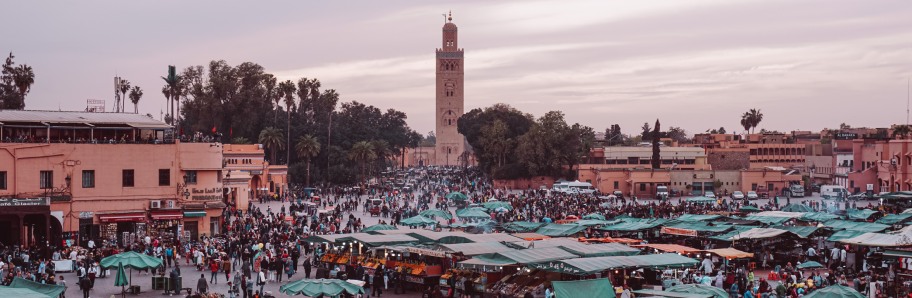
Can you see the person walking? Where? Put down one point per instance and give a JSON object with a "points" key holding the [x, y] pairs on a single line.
{"points": [[201, 286], [377, 284], [85, 285], [307, 267], [214, 268]]}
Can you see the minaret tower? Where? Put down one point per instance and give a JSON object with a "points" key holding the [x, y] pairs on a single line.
{"points": [[450, 100]]}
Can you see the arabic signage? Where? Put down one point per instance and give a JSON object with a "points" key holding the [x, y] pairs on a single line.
{"points": [[427, 252], [678, 231], [205, 194], [556, 266], [24, 202]]}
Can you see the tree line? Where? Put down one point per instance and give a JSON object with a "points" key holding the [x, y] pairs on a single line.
{"points": [[298, 122]]}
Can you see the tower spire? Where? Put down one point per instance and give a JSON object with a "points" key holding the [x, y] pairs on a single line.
{"points": [[450, 17]]}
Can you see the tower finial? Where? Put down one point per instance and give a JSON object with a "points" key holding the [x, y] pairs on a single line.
{"points": [[450, 18]]}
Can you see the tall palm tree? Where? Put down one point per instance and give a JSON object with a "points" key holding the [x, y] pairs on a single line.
{"points": [[745, 122], [124, 87], [172, 83], [135, 95], [23, 78], [288, 89], [381, 151], [270, 84], [166, 91], [307, 148], [273, 139], [756, 117], [362, 152]]}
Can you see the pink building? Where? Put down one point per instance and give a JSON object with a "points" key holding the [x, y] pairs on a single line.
{"points": [[881, 165], [250, 176], [73, 176]]}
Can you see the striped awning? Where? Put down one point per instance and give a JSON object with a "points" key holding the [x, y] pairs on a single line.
{"points": [[194, 213]]}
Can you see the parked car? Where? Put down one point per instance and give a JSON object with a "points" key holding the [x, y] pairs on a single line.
{"points": [[752, 195], [737, 195], [709, 194]]}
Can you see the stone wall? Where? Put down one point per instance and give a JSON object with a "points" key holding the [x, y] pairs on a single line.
{"points": [[729, 160]]}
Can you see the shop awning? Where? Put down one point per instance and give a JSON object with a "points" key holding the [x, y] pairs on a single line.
{"points": [[892, 219], [897, 253], [770, 220], [759, 233], [194, 213], [878, 239], [600, 250], [122, 217], [671, 248], [730, 253], [586, 266], [727, 236], [844, 234], [700, 227], [780, 214], [484, 261], [521, 226], [536, 255], [167, 215], [634, 224], [378, 240], [593, 288]]}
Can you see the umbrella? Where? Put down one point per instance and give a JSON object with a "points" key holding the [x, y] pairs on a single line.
{"points": [[835, 291], [809, 265], [418, 220], [320, 287], [472, 213], [130, 259], [436, 212], [749, 209], [501, 209], [121, 279], [379, 227], [594, 216], [497, 204], [698, 289], [457, 196]]}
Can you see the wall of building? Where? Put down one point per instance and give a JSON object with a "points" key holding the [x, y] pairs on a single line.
{"points": [[728, 159]]}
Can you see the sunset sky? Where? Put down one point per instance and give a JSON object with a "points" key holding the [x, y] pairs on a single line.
{"points": [[697, 64]]}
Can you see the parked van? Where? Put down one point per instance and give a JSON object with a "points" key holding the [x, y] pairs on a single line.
{"points": [[834, 191], [581, 187], [661, 192], [796, 191]]}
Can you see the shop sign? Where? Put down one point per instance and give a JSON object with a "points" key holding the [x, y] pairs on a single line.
{"points": [[678, 231], [24, 202], [205, 194], [428, 252], [556, 267], [86, 214]]}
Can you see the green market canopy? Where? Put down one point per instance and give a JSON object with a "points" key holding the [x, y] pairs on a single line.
{"points": [[855, 226], [521, 226], [860, 214], [418, 220], [697, 217], [700, 227], [472, 213], [594, 216], [759, 233], [474, 249], [378, 240], [844, 234], [494, 205], [801, 231], [879, 239], [379, 227], [818, 216], [892, 219], [634, 224], [586, 266], [560, 230], [809, 265], [23, 288], [835, 291], [599, 250], [594, 288], [592, 222], [735, 231], [657, 293], [770, 220], [320, 287], [536, 255], [132, 260], [797, 208], [457, 196], [749, 209], [484, 261]]}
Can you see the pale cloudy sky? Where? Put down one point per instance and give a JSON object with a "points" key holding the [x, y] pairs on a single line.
{"points": [[697, 64]]}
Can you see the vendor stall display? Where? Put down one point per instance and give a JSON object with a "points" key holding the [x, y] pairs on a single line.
{"points": [[516, 285], [457, 280]]}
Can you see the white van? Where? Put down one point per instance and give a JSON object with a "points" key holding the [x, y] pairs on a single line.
{"points": [[581, 187], [661, 192], [834, 191], [560, 187]]}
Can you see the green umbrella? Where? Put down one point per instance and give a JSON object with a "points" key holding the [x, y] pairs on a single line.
{"points": [[835, 291], [472, 213], [436, 212], [418, 220], [594, 216], [120, 279], [457, 196], [131, 260], [810, 265], [493, 205], [698, 289], [320, 287], [797, 208], [379, 227]]}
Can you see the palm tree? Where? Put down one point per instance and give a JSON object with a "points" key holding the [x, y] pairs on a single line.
{"points": [[124, 87], [23, 78], [756, 117], [362, 152], [381, 151], [273, 139], [270, 84], [288, 89], [166, 91], [135, 95], [172, 84], [307, 148], [745, 122]]}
